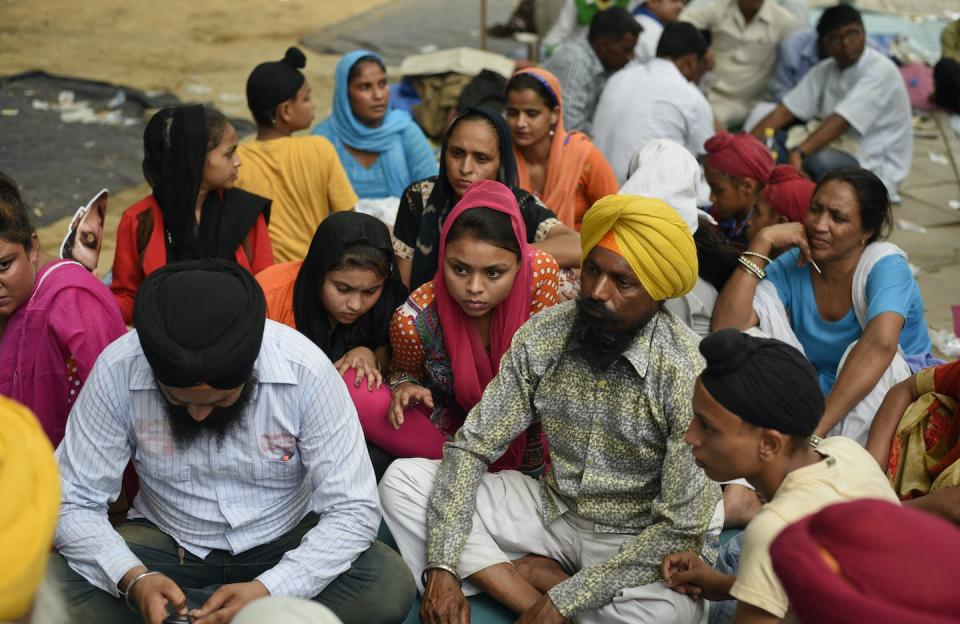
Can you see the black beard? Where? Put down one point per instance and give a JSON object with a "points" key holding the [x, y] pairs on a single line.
{"points": [[220, 422], [598, 336]]}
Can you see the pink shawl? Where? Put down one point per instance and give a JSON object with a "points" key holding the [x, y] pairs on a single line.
{"points": [[473, 367], [51, 342]]}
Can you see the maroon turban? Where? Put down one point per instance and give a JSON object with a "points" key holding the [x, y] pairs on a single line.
{"points": [[896, 565], [739, 156], [789, 193]]}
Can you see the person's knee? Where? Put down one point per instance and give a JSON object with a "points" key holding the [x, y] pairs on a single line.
{"points": [[387, 590], [400, 478], [824, 161]]}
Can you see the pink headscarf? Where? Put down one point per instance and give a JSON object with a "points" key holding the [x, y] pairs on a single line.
{"points": [[739, 155], [473, 367]]}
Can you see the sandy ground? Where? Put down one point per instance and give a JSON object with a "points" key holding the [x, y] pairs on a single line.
{"points": [[201, 51], [204, 50]]}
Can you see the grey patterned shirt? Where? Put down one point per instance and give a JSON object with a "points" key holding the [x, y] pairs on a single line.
{"points": [[616, 444]]}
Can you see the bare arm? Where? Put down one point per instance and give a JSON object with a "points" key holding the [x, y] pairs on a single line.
{"points": [[405, 268], [885, 424], [778, 119], [734, 307], [864, 366], [561, 242], [828, 131], [944, 503]]}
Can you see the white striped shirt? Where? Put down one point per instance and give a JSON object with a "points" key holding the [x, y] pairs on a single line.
{"points": [[298, 449]]}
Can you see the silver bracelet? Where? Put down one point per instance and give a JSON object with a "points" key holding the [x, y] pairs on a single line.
{"points": [[751, 267], [402, 378], [757, 255], [439, 566], [126, 593]]}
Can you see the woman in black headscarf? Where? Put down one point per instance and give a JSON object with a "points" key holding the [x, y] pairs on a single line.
{"points": [[476, 146], [342, 295], [190, 162]]}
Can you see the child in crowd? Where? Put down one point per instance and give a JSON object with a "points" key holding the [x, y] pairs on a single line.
{"points": [[302, 176], [449, 336], [383, 150], [785, 199], [738, 166], [342, 297], [190, 161]]}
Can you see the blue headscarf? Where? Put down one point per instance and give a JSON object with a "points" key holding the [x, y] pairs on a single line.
{"points": [[342, 128]]}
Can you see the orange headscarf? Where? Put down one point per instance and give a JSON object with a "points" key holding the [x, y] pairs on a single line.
{"points": [[569, 152]]}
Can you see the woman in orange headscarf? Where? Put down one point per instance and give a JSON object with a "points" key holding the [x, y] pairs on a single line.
{"points": [[563, 169]]}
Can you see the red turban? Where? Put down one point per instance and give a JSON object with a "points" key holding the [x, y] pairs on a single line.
{"points": [[789, 193], [895, 565], [739, 156]]}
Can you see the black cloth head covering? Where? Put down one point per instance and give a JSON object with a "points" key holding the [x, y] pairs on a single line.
{"points": [[201, 322], [336, 234], [443, 197], [174, 156], [275, 82], [764, 381]]}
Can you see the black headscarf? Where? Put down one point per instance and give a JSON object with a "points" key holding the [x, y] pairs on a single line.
{"points": [[443, 197], [201, 322], [764, 381], [174, 156], [336, 234]]}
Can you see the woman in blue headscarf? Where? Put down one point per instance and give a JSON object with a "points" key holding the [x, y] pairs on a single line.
{"points": [[382, 150]]}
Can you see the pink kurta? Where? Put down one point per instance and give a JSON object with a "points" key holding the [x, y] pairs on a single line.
{"points": [[51, 342]]}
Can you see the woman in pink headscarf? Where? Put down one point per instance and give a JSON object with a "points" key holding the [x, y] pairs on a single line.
{"points": [[450, 334]]}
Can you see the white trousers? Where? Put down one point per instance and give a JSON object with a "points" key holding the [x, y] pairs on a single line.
{"points": [[507, 525]]}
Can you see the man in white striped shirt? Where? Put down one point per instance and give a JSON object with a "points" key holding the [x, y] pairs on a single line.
{"points": [[254, 478]]}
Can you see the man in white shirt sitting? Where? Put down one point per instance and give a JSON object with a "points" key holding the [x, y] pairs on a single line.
{"points": [[254, 479], [656, 100], [653, 15], [860, 104]]}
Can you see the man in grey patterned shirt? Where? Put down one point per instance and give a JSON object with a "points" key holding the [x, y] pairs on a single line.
{"points": [[610, 378]]}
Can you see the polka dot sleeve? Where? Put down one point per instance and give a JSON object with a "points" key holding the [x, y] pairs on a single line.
{"points": [[408, 355], [546, 273]]}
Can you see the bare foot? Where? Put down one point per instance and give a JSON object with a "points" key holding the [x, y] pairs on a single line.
{"points": [[541, 572], [740, 505]]}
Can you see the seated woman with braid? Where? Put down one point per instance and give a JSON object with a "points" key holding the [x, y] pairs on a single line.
{"points": [[194, 212], [449, 336], [840, 295]]}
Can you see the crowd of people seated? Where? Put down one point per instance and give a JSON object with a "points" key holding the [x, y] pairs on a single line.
{"points": [[649, 300]]}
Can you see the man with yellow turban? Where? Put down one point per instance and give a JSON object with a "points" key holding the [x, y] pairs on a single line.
{"points": [[610, 378], [30, 490]]}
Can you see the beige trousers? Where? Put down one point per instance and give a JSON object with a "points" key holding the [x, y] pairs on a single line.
{"points": [[507, 525]]}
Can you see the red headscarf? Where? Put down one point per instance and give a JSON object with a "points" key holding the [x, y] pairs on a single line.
{"points": [[569, 152], [895, 565], [473, 367], [739, 155], [789, 193]]}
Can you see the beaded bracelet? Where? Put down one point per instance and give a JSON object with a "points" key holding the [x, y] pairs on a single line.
{"points": [[751, 268], [757, 255]]}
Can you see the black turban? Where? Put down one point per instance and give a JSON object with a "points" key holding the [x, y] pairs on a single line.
{"points": [[275, 82], [764, 381], [201, 322]]}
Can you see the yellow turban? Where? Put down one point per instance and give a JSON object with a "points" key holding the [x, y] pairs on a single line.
{"points": [[29, 502], [652, 237]]}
